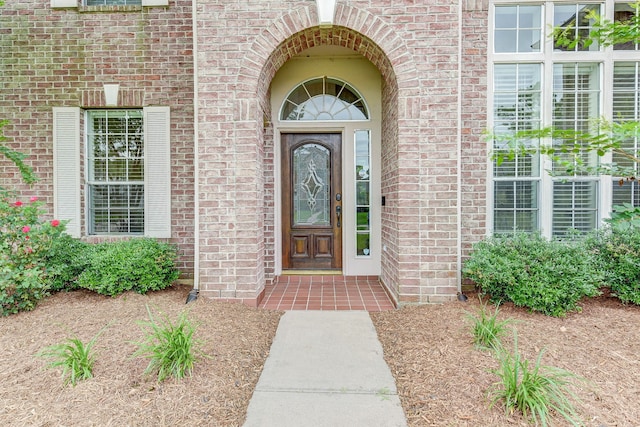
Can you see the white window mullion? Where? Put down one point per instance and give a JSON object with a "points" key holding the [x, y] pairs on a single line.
{"points": [[606, 83], [546, 181]]}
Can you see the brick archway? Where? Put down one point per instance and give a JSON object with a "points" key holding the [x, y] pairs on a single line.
{"points": [[363, 33], [354, 28]]}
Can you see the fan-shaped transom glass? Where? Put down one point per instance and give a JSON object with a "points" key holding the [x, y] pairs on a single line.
{"points": [[324, 99]]}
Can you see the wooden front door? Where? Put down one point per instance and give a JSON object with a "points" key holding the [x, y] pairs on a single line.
{"points": [[311, 201]]}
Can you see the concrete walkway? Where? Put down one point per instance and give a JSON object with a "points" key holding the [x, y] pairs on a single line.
{"points": [[325, 368]]}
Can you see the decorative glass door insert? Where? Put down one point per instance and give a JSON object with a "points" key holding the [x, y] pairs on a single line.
{"points": [[311, 176]]}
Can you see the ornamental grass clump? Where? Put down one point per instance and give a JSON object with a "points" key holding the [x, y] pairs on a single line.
{"points": [[487, 329], [539, 392], [74, 357], [171, 348]]}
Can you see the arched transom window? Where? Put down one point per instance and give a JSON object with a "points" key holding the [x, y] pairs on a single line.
{"points": [[324, 98]]}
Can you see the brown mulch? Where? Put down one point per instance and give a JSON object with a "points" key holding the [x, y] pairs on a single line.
{"points": [[236, 337], [442, 378]]}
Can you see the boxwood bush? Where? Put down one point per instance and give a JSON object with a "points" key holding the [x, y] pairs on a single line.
{"points": [[140, 265], [618, 256], [531, 271]]}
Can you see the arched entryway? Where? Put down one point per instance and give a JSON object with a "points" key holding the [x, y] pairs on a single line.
{"points": [[250, 143], [326, 116], [347, 36]]}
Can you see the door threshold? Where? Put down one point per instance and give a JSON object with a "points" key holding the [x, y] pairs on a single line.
{"points": [[312, 272]]}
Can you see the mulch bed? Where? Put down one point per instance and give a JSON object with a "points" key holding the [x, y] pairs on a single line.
{"points": [[236, 337], [442, 378]]}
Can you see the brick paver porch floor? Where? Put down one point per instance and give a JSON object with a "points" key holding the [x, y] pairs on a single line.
{"points": [[326, 292]]}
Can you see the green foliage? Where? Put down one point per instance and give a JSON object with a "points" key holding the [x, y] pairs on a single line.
{"points": [[74, 356], [603, 31], [618, 253], [536, 390], [624, 217], [487, 329], [140, 265], [25, 240], [171, 349], [570, 150], [530, 271], [67, 259], [17, 158]]}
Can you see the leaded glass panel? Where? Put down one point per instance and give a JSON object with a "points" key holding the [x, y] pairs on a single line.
{"points": [[311, 178]]}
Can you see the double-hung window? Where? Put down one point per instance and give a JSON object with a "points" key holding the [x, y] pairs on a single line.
{"points": [[516, 107], [626, 107], [115, 171], [575, 106], [517, 90], [114, 176]]}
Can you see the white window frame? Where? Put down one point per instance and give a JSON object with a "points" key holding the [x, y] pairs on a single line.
{"points": [[605, 57], [75, 3], [157, 163]]}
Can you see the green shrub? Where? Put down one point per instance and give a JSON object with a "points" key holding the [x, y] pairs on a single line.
{"points": [[25, 240], [171, 349], [538, 391], [545, 276], [140, 265], [67, 259], [618, 256]]}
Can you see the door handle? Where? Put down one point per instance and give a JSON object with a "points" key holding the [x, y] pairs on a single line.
{"points": [[338, 214]]}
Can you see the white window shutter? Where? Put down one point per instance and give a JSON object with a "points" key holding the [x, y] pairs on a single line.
{"points": [[64, 3], [155, 2], [66, 167], [157, 172]]}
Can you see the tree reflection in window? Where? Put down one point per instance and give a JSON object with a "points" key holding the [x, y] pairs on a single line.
{"points": [[324, 99]]}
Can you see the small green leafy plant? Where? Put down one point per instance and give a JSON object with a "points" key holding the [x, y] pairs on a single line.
{"points": [[539, 392], [16, 157], [171, 348], [74, 357], [487, 329]]}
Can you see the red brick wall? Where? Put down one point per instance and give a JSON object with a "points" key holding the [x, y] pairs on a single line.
{"points": [[474, 122], [416, 49], [62, 57]]}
